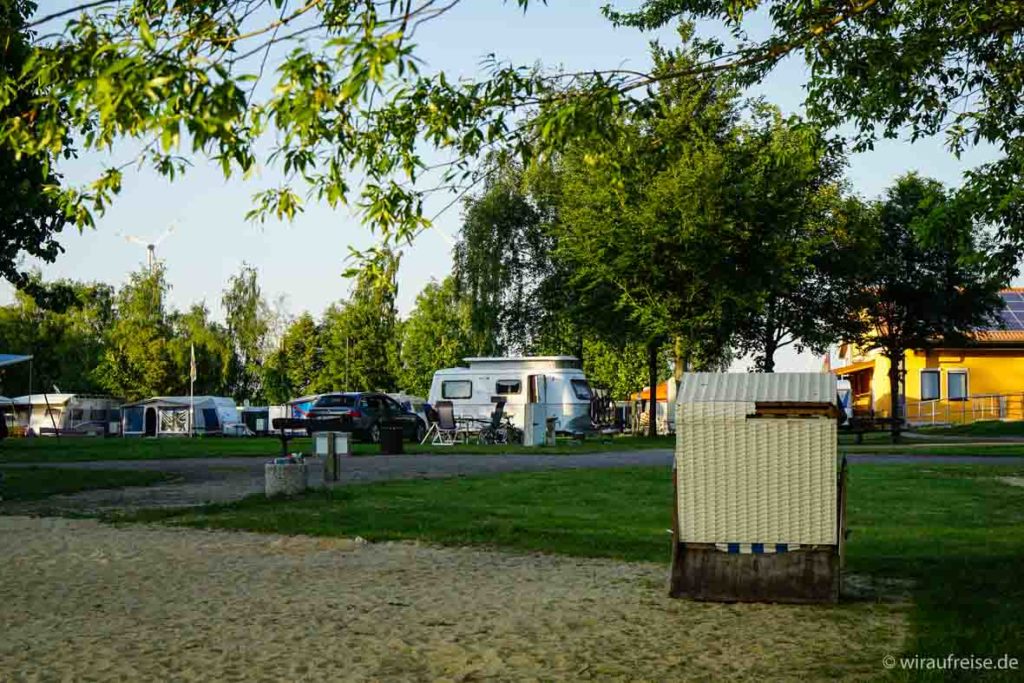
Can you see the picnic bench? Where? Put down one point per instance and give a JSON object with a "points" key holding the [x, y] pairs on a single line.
{"points": [[283, 425]]}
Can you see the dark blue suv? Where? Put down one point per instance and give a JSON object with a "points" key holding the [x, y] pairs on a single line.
{"points": [[363, 412]]}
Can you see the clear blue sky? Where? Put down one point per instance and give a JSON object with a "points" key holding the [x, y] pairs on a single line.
{"points": [[300, 263]]}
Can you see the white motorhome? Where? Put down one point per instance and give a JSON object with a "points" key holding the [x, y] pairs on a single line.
{"points": [[67, 414], [555, 382]]}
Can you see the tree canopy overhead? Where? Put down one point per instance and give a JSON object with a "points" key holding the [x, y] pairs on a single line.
{"points": [[334, 94]]}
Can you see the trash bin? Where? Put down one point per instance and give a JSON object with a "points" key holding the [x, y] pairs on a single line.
{"points": [[390, 438]]}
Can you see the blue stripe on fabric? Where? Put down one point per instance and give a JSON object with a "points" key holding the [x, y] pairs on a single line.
{"points": [[734, 548], [781, 547], [757, 548]]}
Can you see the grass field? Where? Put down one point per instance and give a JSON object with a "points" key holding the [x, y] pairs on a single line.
{"points": [[34, 483], [84, 449], [978, 429], [953, 533]]}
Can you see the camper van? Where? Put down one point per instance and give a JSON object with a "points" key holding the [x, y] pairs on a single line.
{"points": [[556, 382], [51, 414]]}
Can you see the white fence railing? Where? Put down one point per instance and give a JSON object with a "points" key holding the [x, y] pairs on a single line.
{"points": [[964, 411]]}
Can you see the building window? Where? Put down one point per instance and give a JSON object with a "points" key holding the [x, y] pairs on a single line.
{"points": [[504, 387], [930, 385], [456, 389], [956, 385]]}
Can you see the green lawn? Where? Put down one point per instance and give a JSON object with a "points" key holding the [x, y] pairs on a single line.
{"points": [[33, 483], [979, 429], [84, 448], [956, 532], [959, 449]]}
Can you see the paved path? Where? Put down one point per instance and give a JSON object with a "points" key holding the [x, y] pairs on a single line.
{"points": [[213, 480]]}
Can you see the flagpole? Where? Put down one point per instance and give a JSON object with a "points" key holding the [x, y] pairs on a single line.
{"points": [[192, 394]]}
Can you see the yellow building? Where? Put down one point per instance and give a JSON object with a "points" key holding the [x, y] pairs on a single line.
{"points": [[983, 381]]}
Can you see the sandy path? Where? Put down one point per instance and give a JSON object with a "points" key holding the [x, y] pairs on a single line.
{"points": [[80, 600]]}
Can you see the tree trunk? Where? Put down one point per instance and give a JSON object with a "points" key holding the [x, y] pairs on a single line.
{"points": [[652, 377], [768, 362], [894, 395], [679, 359]]}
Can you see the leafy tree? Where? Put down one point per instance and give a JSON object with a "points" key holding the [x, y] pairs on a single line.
{"points": [[247, 318], [501, 259], [789, 199], [349, 93], [295, 367], [30, 216], [137, 361], [647, 217], [437, 334], [62, 324], [360, 336], [214, 353], [621, 368], [934, 277]]}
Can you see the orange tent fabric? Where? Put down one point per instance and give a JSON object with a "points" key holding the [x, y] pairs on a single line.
{"points": [[645, 394]]}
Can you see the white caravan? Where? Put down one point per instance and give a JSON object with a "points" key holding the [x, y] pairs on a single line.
{"points": [[555, 382], [50, 414]]}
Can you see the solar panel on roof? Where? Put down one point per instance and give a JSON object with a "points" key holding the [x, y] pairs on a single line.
{"points": [[1016, 306], [1011, 296]]}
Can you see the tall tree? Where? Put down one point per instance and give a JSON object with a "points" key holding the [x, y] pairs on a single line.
{"points": [[214, 352], [246, 315], [360, 336], [31, 217], [934, 277], [501, 259], [789, 198], [437, 334], [295, 367], [645, 216], [63, 325], [137, 361]]}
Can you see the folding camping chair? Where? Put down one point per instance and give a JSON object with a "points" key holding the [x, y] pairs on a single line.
{"points": [[443, 429], [492, 432]]}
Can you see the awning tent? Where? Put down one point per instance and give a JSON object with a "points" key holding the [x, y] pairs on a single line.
{"points": [[170, 415], [12, 359]]}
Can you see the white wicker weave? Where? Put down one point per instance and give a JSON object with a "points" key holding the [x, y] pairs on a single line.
{"points": [[754, 480]]}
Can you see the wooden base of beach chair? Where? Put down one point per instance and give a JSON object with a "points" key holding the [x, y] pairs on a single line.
{"points": [[735, 572]]}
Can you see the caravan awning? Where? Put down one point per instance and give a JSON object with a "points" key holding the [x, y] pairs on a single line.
{"points": [[11, 359], [854, 367]]}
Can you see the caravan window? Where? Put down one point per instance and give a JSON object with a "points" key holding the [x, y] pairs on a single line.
{"points": [[508, 386], [582, 389], [97, 415], [456, 388], [77, 414]]}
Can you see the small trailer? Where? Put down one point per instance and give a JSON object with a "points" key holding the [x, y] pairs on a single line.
{"points": [[760, 491], [554, 385]]}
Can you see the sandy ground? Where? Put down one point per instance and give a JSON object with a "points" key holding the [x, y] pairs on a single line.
{"points": [[80, 600]]}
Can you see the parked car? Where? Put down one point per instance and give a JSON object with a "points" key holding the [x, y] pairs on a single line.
{"points": [[363, 412]]}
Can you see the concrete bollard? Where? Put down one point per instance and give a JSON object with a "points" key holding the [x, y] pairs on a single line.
{"points": [[285, 479]]}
